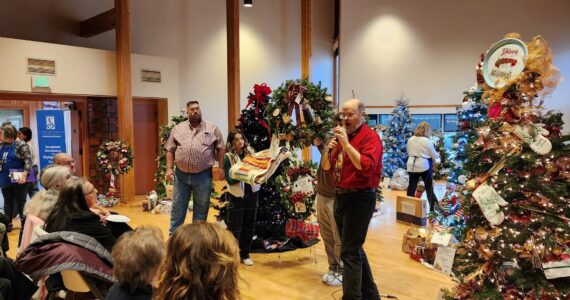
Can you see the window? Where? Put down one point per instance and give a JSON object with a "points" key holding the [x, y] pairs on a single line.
{"points": [[384, 119], [450, 122], [372, 119], [433, 119]]}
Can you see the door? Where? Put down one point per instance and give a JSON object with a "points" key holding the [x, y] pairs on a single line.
{"points": [[145, 131]]}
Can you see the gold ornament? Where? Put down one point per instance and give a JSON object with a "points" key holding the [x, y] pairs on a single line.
{"points": [[481, 234], [286, 119], [276, 112], [290, 137]]}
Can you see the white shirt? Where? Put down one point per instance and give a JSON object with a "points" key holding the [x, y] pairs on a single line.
{"points": [[420, 149]]}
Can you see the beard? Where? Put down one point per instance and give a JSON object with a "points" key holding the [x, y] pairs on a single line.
{"points": [[197, 118]]}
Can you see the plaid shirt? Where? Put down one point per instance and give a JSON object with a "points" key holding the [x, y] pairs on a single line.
{"points": [[194, 148]]}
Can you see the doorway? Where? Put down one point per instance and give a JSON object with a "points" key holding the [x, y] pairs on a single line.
{"points": [[145, 133]]}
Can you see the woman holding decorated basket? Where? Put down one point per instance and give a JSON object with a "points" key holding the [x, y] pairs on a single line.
{"points": [[242, 206]]}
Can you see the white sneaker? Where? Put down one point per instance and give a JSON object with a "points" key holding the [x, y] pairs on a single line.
{"points": [[336, 280], [247, 262], [327, 277]]}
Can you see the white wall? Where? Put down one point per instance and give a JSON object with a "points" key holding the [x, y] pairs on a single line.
{"points": [[203, 60], [270, 44], [84, 71], [428, 49]]}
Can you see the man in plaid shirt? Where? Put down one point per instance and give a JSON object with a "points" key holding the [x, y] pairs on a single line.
{"points": [[193, 146]]}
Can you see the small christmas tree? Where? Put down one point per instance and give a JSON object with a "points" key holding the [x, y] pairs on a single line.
{"points": [[400, 129], [441, 170], [516, 199]]}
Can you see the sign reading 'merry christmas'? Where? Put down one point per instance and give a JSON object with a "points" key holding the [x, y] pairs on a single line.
{"points": [[504, 62]]}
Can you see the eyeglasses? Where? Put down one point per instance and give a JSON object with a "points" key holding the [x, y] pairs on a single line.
{"points": [[346, 116], [94, 190]]}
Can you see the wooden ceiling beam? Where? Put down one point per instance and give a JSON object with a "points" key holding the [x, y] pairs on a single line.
{"points": [[98, 24]]}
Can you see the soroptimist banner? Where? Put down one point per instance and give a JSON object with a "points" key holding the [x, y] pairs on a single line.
{"points": [[51, 134]]}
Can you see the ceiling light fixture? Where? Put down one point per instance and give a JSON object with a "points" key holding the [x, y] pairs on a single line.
{"points": [[248, 3]]}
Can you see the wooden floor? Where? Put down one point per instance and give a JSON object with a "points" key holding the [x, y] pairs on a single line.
{"points": [[296, 274]]}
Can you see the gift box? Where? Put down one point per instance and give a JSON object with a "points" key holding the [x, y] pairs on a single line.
{"points": [[412, 238], [305, 231], [411, 210]]}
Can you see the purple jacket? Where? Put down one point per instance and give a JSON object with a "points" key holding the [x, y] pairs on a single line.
{"points": [[65, 250]]}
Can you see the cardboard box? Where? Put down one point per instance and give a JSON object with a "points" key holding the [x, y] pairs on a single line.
{"points": [[411, 210]]}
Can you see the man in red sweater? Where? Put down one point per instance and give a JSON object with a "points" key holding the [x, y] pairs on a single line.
{"points": [[356, 162]]}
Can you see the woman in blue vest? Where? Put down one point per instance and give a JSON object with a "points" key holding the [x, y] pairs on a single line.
{"points": [[242, 206], [15, 165]]}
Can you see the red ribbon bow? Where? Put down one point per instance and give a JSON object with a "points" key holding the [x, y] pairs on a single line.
{"points": [[293, 91], [260, 91]]}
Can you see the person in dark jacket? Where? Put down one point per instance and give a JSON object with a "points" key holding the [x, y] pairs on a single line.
{"points": [[137, 257], [71, 213], [14, 284]]}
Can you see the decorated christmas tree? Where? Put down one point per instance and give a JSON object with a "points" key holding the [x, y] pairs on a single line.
{"points": [[471, 113], [160, 175], [518, 189], [400, 129], [441, 170]]}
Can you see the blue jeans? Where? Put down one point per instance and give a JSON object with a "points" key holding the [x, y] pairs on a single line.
{"points": [[198, 185]]}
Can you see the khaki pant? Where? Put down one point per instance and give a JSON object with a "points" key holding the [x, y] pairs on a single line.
{"points": [[329, 231]]}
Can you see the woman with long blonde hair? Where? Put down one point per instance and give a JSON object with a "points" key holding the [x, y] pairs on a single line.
{"points": [[201, 264], [421, 155]]}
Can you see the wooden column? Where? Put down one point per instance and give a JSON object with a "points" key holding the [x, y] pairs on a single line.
{"points": [[124, 95], [232, 15], [306, 52]]}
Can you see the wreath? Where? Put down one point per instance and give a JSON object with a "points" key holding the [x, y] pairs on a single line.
{"points": [[296, 187], [115, 157], [301, 111]]}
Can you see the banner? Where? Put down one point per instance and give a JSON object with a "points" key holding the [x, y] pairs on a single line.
{"points": [[51, 135]]}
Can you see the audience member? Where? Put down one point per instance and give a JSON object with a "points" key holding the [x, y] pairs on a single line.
{"points": [[25, 134], [71, 213], [53, 179], [201, 263], [137, 257]]}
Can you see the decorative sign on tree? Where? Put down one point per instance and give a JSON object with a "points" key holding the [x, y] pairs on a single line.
{"points": [[296, 187]]}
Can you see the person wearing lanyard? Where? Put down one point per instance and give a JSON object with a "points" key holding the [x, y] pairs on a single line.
{"points": [[421, 154], [356, 162], [15, 164]]}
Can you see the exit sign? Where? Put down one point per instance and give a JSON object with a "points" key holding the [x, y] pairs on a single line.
{"points": [[40, 84], [41, 81]]}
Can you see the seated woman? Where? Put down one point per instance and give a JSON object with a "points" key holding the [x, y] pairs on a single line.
{"points": [[71, 213], [137, 257], [201, 263], [53, 179]]}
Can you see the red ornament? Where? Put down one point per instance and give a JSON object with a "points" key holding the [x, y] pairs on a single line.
{"points": [[495, 110]]}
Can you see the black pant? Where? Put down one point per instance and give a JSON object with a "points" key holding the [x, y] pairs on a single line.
{"points": [[241, 220], [13, 283], [427, 177], [14, 194], [352, 213]]}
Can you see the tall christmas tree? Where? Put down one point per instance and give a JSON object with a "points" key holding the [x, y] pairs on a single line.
{"points": [[471, 113], [517, 195], [400, 129]]}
